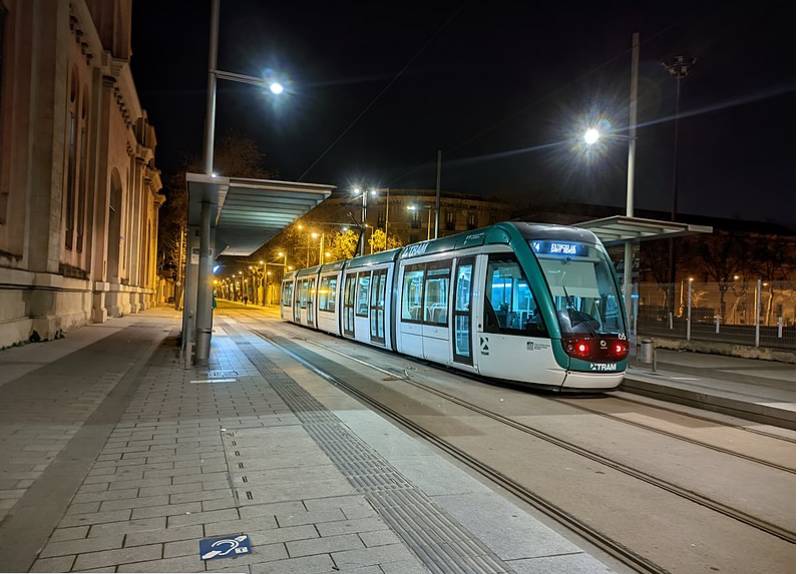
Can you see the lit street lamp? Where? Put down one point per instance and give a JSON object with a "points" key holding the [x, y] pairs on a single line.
{"points": [[591, 136]]}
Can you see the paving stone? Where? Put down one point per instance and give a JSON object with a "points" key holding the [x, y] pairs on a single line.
{"points": [[120, 556], [139, 483], [380, 538], [352, 506], [60, 564], [404, 567], [283, 534], [189, 547], [219, 504], [325, 545], [203, 518], [375, 555], [272, 509], [82, 545], [244, 525], [180, 564], [304, 565], [314, 517], [105, 495], [127, 526], [578, 563], [164, 535], [351, 526], [83, 507], [167, 510], [143, 502], [71, 533], [198, 496], [95, 518]]}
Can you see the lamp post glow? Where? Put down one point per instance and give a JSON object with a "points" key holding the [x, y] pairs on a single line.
{"points": [[276, 88], [592, 136]]}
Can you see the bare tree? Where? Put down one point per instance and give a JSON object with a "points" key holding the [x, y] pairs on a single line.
{"points": [[721, 256]]}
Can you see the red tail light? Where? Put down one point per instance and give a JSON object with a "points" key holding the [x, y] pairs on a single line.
{"points": [[596, 348], [578, 347]]}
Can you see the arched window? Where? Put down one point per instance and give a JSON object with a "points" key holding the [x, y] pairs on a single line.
{"points": [[72, 142]]}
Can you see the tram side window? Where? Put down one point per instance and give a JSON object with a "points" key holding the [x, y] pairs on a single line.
{"points": [[327, 294], [286, 299], [509, 306], [303, 294], [362, 295], [412, 293], [437, 283]]}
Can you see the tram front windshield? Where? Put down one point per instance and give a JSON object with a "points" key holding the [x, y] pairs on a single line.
{"points": [[581, 282]]}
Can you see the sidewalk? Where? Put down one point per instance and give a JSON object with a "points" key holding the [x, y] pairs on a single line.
{"points": [[116, 459], [761, 391]]}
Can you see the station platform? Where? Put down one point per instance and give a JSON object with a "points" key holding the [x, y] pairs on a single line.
{"points": [[115, 458], [756, 390]]}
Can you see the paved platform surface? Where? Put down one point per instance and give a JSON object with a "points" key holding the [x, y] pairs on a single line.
{"points": [[763, 391], [114, 458]]}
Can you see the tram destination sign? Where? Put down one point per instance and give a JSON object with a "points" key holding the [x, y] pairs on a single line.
{"points": [[560, 248]]}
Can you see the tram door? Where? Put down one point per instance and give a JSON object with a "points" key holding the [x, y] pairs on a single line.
{"points": [[298, 297], [377, 312], [348, 306], [310, 302], [462, 311]]}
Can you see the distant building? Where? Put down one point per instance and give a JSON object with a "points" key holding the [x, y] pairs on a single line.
{"points": [[409, 211], [79, 192]]}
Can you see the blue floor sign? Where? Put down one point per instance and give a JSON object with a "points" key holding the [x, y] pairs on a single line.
{"points": [[225, 547]]}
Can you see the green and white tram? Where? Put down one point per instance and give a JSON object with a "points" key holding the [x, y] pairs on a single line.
{"points": [[523, 302]]}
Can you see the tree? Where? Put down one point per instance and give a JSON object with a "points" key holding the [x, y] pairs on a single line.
{"points": [[377, 241], [344, 244], [773, 258], [722, 255], [235, 155]]}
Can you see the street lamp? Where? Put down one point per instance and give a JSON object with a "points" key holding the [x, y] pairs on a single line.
{"points": [[357, 191], [591, 136]]}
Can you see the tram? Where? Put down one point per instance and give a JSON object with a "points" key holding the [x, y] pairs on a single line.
{"points": [[523, 302]]}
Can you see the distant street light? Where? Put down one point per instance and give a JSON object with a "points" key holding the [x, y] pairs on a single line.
{"points": [[276, 88]]}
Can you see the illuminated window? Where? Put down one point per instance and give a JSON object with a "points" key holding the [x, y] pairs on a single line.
{"points": [[362, 295], [437, 283], [327, 294], [412, 293], [509, 306]]}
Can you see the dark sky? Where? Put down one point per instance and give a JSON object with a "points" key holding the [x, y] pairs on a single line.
{"points": [[486, 78]]}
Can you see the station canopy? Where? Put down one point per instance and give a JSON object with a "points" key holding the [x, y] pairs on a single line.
{"points": [[619, 229], [246, 213]]}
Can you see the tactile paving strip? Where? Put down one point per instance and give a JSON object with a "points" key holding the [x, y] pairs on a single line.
{"points": [[443, 545]]}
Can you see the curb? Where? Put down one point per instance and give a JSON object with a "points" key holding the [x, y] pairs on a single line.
{"points": [[746, 410]]}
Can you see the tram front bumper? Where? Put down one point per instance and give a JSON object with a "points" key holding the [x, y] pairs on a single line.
{"points": [[592, 381]]}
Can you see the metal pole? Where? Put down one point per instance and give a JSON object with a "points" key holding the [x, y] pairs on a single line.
{"points": [[211, 94], [689, 311], [632, 115], [386, 221], [203, 332], [429, 223], [363, 239], [758, 312], [264, 298], [308, 251], [438, 192], [322, 249]]}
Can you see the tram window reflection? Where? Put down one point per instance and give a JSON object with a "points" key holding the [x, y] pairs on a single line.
{"points": [[437, 285], [362, 297], [412, 294], [509, 306]]}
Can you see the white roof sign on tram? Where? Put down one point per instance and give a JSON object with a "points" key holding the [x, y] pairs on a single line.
{"points": [[249, 212], [619, 229]]}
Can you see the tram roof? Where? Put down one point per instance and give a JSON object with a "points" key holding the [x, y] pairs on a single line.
{"points": [[249, 212]]}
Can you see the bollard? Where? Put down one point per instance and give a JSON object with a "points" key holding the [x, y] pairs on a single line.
{"points": [[716, 324], [653, 366], [670, 320], [758, 311], [646, 351], [780, 327]]}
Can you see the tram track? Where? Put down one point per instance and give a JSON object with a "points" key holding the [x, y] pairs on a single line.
{"points": [[609, 545], [677, 490]]}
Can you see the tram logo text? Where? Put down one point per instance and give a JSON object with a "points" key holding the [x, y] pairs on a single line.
{"points": [[603, 366]]}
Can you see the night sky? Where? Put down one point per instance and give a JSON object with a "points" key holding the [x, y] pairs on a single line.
{"points": [[501, 88]]}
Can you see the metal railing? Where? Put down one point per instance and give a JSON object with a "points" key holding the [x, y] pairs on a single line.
{"points": [[750, 311]]}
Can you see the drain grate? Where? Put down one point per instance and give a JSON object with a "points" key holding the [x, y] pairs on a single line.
{"points": [[443, 545]]}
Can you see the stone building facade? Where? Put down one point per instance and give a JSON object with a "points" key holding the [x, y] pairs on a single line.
{"points": [[79, 191]]}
